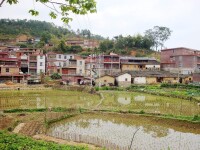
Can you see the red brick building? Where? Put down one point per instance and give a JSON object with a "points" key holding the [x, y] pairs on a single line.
{"points": [[180, 60]]}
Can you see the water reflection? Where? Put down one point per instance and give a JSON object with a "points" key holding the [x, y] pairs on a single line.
{"points": [[125, 100], [119, 131], [140, 98]]}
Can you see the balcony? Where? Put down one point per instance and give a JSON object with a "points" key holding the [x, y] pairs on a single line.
{"points": [[24, 65], [24, 57], [33, 58]]}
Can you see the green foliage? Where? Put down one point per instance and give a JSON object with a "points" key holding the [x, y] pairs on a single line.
{"points": [[56, 76], [31, 27], [142, 112], [180, 85], [158, 35], [10, 141], [123, 45]]}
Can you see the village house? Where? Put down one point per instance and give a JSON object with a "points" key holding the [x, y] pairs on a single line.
{"points": [[105, 64], [9, 69], [84, 43], [180, 60], [22, 38], [138, 63], [74, 71], [123, 79], [154, 77], [105, 80], [36, 67], [55, 62]]}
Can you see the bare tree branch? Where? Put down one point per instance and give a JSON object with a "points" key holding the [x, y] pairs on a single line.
{"points": [[2, 2]]}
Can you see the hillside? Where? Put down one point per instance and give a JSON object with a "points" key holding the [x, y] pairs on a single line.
{"points": [[10, 28]]}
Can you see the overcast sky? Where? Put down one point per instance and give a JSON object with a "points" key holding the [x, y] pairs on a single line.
{"points": [[127, 17]]}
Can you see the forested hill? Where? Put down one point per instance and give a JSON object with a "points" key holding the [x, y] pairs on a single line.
{"points": [[13, 28]]}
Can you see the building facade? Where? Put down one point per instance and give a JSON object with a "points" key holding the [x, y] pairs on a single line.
{"points": [[180, 60]]}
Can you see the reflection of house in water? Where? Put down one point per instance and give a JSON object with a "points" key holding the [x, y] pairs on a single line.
{"points": [[125, 100], [140, 98]]}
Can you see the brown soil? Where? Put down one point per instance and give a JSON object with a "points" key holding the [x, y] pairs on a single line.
{"points": [[60, 141], [5, 121]]}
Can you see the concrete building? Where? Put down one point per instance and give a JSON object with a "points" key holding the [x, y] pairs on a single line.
{"points": [[123, 79], [180, 60], [55, 62], [138, 63], [105, 80], [36, 67], [10, 69]]}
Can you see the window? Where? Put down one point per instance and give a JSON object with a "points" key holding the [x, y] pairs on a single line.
{"points": [[60, 64], [80, 71], [41, 57], [126, 79], [41, 64], [70, 57], [59, 56], [41, 70], [65, 57], [7, 69], [80, 63]]}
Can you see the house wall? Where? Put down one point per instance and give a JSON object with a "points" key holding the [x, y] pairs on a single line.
{"points": [[151, 80], [153, 67], [124, 80], [140, 80], [13, 70], [196, 77], [105, 80], [170, 80], [180, 60], [40, 68], [80, 67]]}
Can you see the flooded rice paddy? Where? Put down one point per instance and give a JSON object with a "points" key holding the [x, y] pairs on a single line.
{"points": [[111, 100], [114, 131]]}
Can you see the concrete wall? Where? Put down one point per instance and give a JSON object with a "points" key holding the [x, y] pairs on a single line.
{"points": [[105, 80], [140, 80], [124, 80], [196, 77], [40, 64], [13, 70], [151, 80]]}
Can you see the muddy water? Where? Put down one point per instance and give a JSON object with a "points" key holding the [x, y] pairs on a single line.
{"points": [[112, 100], [45, 99], [116, 131], [149, 103]]}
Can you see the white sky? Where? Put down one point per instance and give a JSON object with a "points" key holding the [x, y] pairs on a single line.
{"points": [[127, 17]]}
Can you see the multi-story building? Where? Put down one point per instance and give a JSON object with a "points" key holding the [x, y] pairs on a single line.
{"points": [[180, 60], [138, 63], [55, 62], [98, 65], [10, 69], [36, 66], [74, 71]]}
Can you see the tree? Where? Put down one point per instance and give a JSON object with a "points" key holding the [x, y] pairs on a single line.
{"points": [[158, 35], [56, 76], [64, 8]]}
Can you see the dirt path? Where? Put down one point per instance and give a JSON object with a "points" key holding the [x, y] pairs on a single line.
{"points": [[60, 141], [18, 128]]}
